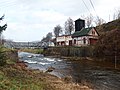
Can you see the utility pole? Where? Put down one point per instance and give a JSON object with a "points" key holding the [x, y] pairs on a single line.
{"points": [[115, 59], [116, 37]]}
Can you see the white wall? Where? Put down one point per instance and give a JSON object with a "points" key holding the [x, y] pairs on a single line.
{"points": [[64, 38], [80, 41], [60, 38], [93, 30]]}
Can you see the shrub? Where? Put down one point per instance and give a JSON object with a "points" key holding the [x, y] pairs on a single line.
{"points": [[2, 57]]}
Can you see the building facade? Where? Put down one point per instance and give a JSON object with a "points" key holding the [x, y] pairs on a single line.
{"points": [[81, 37], [64, 40], [87, 36]]}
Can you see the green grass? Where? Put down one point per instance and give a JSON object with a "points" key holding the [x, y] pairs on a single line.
{"points": [[36, 51], [15, 77]]}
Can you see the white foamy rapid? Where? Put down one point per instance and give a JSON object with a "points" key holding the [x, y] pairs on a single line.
{"points": [[35, 62], [59, 60], [50, 59], [30, 61], [42, 63]]}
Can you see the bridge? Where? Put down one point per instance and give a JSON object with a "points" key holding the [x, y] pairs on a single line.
{"points": [[19, 45]]}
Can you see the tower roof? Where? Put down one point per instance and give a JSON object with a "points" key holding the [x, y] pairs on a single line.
{"points": [[79, 19]]}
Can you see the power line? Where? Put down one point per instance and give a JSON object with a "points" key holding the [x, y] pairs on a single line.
{"points": [[7, 4], [86, 6], [93, 7], [10, 3]]}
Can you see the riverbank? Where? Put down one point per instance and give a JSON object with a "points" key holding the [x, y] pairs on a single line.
{"points": [[83, 71], [83, 53], [35, 51], [96, 75], [102, 63], [16, 76]]}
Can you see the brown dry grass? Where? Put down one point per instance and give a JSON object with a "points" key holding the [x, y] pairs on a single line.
{"points": [[28, 79], [57, 83]]}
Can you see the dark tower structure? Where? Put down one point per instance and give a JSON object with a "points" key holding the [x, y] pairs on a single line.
{"points": [[79, 24]]}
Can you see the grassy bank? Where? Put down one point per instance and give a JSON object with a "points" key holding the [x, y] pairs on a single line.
{"points": [[15, 75], [15, 78], [36, 51]]}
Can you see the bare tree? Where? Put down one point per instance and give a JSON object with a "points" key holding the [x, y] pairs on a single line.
{"points": [[57, 30], [69, 26], [116, 14], [89, 20], [99, 21]]}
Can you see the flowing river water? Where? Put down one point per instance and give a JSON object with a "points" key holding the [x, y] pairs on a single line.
{"points": [[82, 71]]}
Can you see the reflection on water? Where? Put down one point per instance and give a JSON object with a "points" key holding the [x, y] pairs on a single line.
{"points": [[82, 71]]}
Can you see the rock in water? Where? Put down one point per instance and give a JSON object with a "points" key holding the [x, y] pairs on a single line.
{"points": [[50, 69]]}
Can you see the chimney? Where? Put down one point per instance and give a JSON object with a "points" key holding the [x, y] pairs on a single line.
{"points": [[79, 24]]}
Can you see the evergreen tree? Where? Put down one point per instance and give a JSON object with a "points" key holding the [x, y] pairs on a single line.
{"points": [[2, 54], [2, 28]]}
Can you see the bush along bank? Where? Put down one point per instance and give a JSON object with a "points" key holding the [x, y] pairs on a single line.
{"points": [[70, 51], [92, 53], [2, 57], [7, 55]]}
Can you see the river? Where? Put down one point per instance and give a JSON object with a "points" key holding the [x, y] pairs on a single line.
{"points": [[82, 71]]}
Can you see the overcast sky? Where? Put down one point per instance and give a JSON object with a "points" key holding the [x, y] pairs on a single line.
{"points": [[30, 20]]}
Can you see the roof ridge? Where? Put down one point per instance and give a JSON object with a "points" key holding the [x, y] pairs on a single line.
{"points": [[82, 32]]}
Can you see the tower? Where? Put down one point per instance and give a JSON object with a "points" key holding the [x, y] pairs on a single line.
{"points": [[79, 24]]}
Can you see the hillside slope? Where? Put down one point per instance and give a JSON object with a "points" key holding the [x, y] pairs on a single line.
{"points": [[108, 26]]}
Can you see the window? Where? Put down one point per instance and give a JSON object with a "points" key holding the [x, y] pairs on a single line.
{"points": [[84, 40], [74, 41], [93, 32]]}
